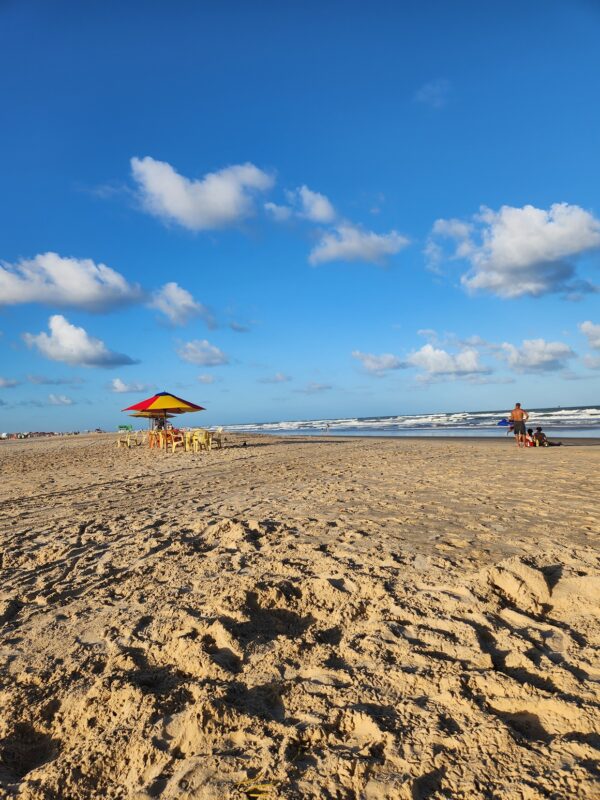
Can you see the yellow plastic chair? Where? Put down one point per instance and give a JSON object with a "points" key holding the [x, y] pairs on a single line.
{"points": [[177, 440], [217, 438], [129, 440], [200, 440]]}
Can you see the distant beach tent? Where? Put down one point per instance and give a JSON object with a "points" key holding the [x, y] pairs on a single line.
{"points": [[163, 404]]}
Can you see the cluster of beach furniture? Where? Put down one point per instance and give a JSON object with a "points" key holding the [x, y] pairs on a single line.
{"points": [[190, 441]]}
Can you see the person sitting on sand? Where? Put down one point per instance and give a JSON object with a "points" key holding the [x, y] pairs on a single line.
{"points": [[541, 439], [518, 417], [529, 438]]}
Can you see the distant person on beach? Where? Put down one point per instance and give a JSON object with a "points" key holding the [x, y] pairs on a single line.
{"points": [[518, 417], [529, 438]]}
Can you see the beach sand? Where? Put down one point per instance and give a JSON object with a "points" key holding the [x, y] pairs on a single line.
{"points": [[325, 618]]}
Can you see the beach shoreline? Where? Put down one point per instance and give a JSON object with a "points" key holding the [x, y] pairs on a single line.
{"points": [[237, 436], [325, 616]]}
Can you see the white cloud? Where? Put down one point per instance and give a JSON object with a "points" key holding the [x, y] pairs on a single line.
{"points": [[64, 282], [342, 240], [313, 205], [592, 362], [74, 346], [350, 243], [201, 351], [315, 388], [59, 400], [239, 328], [279, 377], [8, 383], [592, 332], [43, 380], [279, 213], [436, 361], [217, 200], [521, 251], [303, 203], [120, 387], [178, 305], [379, 365], [537, 355], [434, 94], [206, 379], [430, 334]]}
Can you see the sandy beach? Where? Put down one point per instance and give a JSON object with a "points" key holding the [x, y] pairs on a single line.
{"points": [[299, 618]]}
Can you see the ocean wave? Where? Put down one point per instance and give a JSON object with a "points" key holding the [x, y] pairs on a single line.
{"points": [[577, 418]]}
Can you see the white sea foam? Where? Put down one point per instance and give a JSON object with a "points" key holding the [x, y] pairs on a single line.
{"points": [[578, 420]]}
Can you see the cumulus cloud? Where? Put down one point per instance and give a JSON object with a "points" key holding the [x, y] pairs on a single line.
{"points": [[521, 251], [340, 240], [201, 351], [592, 332], [379, 365], [178, 305], [120, 387], [348, 242], [437, 362], [303, 203], [206, 379], [434, 93], [537, 355], [53, 280], [313, 206], [74, 346], [279, 377], [8, 383], [60, 400], [592, 362], [277, 212], [217, 200]]}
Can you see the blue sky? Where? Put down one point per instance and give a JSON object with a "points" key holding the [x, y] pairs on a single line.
{"points": [[297, 210]]}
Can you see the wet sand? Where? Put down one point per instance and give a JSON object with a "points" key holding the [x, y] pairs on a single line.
{"points": [[322, 617]]}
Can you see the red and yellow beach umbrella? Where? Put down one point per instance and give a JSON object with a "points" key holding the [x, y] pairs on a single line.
{"points": [[163, 404], [151, 414]]}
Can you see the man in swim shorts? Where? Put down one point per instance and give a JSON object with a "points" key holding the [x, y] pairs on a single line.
{"points": [[518, 417]]}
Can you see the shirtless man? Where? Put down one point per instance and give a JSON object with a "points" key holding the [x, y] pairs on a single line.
{"points": [[519, 417]]}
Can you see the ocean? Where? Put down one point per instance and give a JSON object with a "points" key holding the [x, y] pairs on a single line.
{"points": [[577, 421]]}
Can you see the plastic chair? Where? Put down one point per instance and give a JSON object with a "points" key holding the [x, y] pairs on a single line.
{"points": [[200, 440], [129, 441], [177, 439], [217, 438]]}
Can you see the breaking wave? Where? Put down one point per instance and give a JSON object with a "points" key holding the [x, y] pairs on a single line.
{"points": [[579, 421]]}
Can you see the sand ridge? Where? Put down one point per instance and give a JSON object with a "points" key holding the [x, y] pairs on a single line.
{"points": [[320, 618]]}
